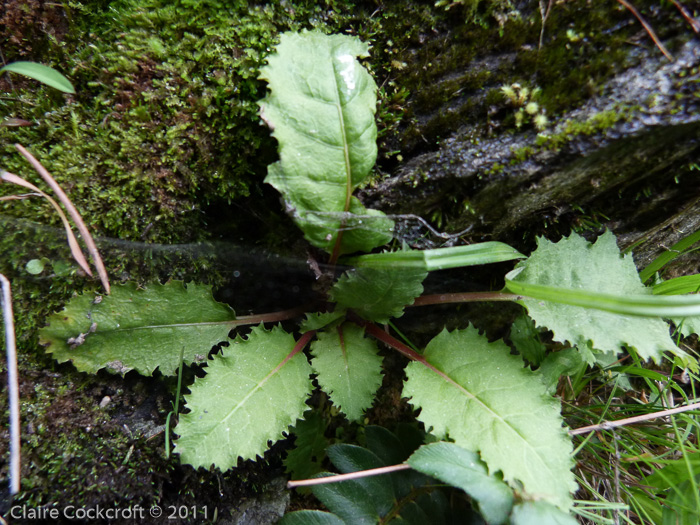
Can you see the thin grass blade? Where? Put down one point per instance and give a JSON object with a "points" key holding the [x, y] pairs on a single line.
{"points": [[666, 257], [679, 285], [639, 305], [440, 258]]}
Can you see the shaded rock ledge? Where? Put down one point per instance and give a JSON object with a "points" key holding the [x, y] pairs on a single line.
{"points": [[624, 160]]}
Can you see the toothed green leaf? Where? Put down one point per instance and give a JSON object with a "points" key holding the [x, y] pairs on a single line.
{"points": [[138, 329], [378, 294], [250, 395], [348, 367], [482, 397], [688, 326], [575, 265], [321, 109], [316, 321], [566, 362]]}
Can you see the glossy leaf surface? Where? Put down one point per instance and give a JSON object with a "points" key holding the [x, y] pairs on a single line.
{"points": [[321, 109]]}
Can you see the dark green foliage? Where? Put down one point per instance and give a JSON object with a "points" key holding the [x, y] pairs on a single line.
{"points": [[402, 497], [305, 459], [525, 337]]}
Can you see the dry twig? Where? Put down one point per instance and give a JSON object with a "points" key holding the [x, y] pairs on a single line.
{"points": [[648, 28], [12, 383]]}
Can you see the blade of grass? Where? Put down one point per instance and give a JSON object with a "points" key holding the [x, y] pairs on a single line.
{"points": [[640, 305], [75, 250], [42, 73], [691, 472], [440, 258], [73, 212], [678, 285], [670, 254], [176, 405]]}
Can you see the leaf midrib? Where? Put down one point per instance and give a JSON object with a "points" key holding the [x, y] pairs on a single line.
{"points": [[488, 409]]}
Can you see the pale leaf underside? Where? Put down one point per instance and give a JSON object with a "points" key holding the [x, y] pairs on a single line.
{"points": [[576, 264], [249, 396], [348, 368], [481, 397]]}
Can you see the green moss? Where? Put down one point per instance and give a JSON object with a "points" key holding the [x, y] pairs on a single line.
{"points": [[583, 45], [572, 128]]}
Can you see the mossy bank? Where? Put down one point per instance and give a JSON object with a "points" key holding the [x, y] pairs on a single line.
{"points": [[162, 144]]}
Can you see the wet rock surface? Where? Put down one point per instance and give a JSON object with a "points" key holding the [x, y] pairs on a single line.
{"points": [[623, 160]]}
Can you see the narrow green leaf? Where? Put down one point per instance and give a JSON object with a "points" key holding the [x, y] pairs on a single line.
{"points": [[321, 109], [439, 258], [138, 329], [641, 305], [45, 74], [666, 257], [249, 396], [540, 513], [678, 285], [480, 396], [378, 294], [580, 291], [640, 372], [349, 368], [463, 469]]}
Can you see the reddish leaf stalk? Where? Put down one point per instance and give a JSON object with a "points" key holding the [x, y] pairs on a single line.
{"points": [[466, 297], [686, 14], [378, 333], [301, 343], [272, 317]]}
